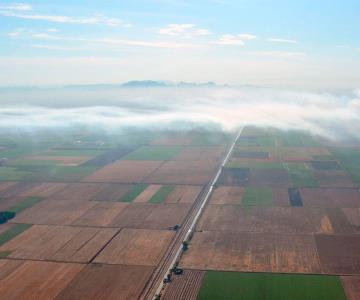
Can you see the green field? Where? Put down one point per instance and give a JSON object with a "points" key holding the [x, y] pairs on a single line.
{"points": [[301, 175], [295, 138], [257, 141], [257, 197], [26, 203], [73, 152], [162, 194], [11, 173], [264, 286], [135, 191], [254, 165], [153, 153], [350, 159], [13, 232]]}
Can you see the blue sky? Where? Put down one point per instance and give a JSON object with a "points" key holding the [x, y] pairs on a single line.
{"points": [[288, 43]]}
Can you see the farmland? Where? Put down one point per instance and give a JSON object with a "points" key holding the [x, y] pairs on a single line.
{"points": [[282, 220]]}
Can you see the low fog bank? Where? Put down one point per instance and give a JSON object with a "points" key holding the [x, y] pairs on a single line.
{"points": [[334, 115]]}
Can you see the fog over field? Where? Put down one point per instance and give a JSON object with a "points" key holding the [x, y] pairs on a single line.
{"points": [[334, 115]]}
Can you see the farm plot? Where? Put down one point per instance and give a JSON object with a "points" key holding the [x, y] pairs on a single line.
{"points": [[37, 280], [199, 153], [102, 214], [184, 194], [334, 179], [152, 216], [284, 220], [9, 231], [249, 154], [254, 164], [330, 197], [301, 175], [251, 252], [112, 192], [300, 154], [136, 247], [107, 282], [52, 159], [177, 140], [353, 216], [227, 195], [147, 193], [269, 177], [45, 189], [5, 186], [79, 191], [234, 176], [58, 243], [339, 254], [153, 153], [54, 212], [124, 171], [185, 286], [351, 286], [183, 172], [259, 286], [15, 190], [324, 165]]}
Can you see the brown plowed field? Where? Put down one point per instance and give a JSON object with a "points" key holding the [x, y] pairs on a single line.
{"points": [[124, 171], [112, 192], [339, 254], [7, 203], [6, 226], [183, 172], [269, 177], [79, 191], [339, 221], [63, 160], [58, 243], [43, 190], [284, 220], [185, 286], [334, 179], [351, 286], [227, 195], [280, 197], [6, 185], [329, 197], [199, 153], [184, 194], [353, 216], [107, 282], [7, 266], [54, 212], [17, 189], [37, 280], [252, 252], [147, 193], [152, 216], [102, 214], [302, 153], [136, 247]]}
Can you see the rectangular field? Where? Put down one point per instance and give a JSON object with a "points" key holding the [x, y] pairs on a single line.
{"points": [[252, 252], [136, 247]]}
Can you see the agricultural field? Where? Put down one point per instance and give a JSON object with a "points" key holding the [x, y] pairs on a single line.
{"points": [[94, 216]]}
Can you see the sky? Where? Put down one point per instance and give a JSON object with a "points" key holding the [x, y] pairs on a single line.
{"points": [[303, 44]]}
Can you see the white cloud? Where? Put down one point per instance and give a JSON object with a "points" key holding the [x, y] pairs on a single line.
{"points": [[246, 36], [186, 30], [230, 40], [279, 40], [16, 7], [95, 20]]}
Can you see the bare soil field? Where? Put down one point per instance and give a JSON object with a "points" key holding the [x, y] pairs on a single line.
{"points": [[252, 252], [353, 216], [45, 189], [340, 221], [37, 280], [351, 286], [183, 172], [285, 220], [101, 215], [227, 195], [63, 160], [17, 189], [302, 153], [54, 212], [184, 194], [124, 171], [330, 197], [109, 156], [146, 195], [185, 286], [269, 177], [7, 266], [339, 254], [79, 191], [112, 192], [252, 154], [234, 176], [6, 185], [136, 247], [334, 179], [9, 202], [154, 216], [200, 153], [58, 243], [107, 282]]}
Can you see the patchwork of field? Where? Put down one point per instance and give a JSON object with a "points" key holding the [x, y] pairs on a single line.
{"points": [[90, 216], [286, 207]]}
